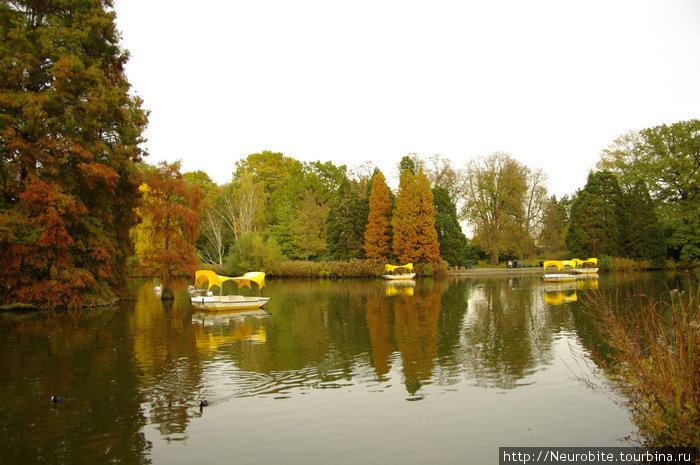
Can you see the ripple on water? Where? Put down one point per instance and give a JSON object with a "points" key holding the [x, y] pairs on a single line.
{"points": [[232, 382]]}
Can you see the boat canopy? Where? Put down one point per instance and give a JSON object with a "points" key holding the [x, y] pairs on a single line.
{"points": [[408, 266], [555, 263], [559, 264], [591, 261], [203, 276]]}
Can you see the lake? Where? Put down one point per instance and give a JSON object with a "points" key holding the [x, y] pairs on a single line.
{"points": [[440, 371]]}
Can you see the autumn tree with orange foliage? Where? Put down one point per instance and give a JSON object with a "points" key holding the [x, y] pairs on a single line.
{"points": [[169, 227], [415, 237], [377, 243], [69, 135]]}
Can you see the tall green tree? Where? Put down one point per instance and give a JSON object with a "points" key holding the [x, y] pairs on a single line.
{"points": [[534, 203], [667, 158], [494, 194], [69, 141], [454, 246], [308, 229], [270, 168], [410, 163], [596, 225], [377, 236], [644, 236], [282, 232], [287, 184], [554, 228], [345, 225], [616, 201]]}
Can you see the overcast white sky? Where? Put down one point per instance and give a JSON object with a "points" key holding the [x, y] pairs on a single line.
{"points": [[551, 83]]}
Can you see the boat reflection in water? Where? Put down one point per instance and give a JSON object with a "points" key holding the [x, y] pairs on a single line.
{"points": [[214, 330], [399, 287], [559, 293], [587, 281]]}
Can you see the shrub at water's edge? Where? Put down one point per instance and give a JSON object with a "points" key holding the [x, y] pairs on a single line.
{"points": [[346, 269], [608, 263], [656, 364]]}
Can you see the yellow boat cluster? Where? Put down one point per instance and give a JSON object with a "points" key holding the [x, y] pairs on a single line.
{"points": [[560, 286], [573, 265]]}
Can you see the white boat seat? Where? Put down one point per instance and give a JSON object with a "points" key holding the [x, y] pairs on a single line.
{"points": [[232, 298]]}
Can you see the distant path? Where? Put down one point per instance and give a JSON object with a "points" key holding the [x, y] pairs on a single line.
{"points": [[475, 272]]}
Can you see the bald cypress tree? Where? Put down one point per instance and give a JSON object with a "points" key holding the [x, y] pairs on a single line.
{"points": [[415, 237], [69, 142], [377, 236], [169, 226]]}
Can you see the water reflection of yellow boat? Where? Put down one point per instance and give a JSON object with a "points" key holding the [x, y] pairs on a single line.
{"points": [[208, 318], [560, 286], [207, 341], [400, 287], [559, 297], [391, 269], [588, 277], [590, 283], [224, 328]]}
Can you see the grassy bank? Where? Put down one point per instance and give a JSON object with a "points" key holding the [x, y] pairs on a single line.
{"points": [[656, 364]]}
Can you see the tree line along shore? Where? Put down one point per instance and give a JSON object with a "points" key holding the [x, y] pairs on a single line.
{"points": [[81, 210]]}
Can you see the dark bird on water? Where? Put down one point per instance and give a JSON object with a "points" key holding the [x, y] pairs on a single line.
{"points": [[203, 403], [58, 400]]}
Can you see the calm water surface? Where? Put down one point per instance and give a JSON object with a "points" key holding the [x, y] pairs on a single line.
{"points": [[440, 371]]}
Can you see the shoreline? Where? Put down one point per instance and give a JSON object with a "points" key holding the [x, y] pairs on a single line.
{"points": [[475, 272]]}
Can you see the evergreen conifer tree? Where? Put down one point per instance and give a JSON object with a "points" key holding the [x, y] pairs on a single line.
{"points": [[554, 229], [597, 218], [644, 238], [345, 224], [453, 243]]}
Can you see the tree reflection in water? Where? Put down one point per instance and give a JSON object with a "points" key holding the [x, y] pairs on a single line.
{"points": [[166, 354], [507, 332], [87, 357]]}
